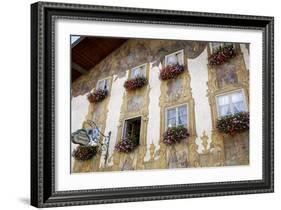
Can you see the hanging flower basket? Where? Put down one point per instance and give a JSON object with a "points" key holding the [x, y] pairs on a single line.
{"points": [[175, 135], [171, 71], [84, 152], [233, 124], [125, 145], [135, 83], [97, 96], [222, 55]]}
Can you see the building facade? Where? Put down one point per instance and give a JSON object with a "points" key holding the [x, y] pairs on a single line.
{"points": [[195, 99]]}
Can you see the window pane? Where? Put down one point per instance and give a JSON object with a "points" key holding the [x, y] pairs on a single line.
{"points": [[182, 115], [171, 122], [138, 72], [215, 46], [227, 44], [223, 100], [106, 84], [101, 84], [237, 97], [142, 71], [171, 113], [171, 117], [182, 110], [180, 58], [223, 105], [238, 107], [128, 129], [135, 73], [172, 60], [183, 120], [224, 110], [238, 102]]}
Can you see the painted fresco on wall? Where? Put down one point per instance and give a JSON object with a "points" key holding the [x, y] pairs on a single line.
{"points": [[226, 75], [145, 104]]}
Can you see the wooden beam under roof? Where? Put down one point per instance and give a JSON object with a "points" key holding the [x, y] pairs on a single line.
{"points": [[89, 51]]}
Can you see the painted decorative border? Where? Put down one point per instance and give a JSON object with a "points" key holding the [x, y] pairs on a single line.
{"points": [[43, 16]]}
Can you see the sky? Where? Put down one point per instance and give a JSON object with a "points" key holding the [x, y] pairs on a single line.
{"points": [[73, 38]]}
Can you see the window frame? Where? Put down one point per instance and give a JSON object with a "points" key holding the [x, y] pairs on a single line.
{"points": [[130, 118], [222, 44], [231, 105], [211, 47], [176, 107], [131, 70], [104, 79], [179, 51]]}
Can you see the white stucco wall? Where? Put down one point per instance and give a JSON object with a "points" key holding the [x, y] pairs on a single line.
{"points": [[199, 76], [79, 110], [246, 55], [153, 127], [113, 115]]}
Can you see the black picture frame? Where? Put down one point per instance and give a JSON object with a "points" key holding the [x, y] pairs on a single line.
{"points": [[43, 15]]}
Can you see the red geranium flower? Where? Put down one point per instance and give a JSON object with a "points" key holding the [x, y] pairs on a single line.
{"points": [[171, 71], [97, 96], [222, 55], [135, 83], [175, 135]]}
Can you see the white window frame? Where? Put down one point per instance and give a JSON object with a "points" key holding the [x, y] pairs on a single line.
{"points": [[173, 107], [144, 73], [101, 80], [179, 51], [231, 105]]}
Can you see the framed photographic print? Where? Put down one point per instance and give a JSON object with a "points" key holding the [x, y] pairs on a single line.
{"points": [[141, 104]]}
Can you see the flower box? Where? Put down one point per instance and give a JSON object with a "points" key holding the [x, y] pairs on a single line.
{"points": [[97, 96], [222, 55], [175, 135], [135, 83], [126, 145], [84, 152], [171, 71], [233, 124]]}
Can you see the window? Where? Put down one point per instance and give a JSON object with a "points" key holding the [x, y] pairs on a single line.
{"points": [[103, 84], [217, 45], [138, 71], [231, 103], [132, 128], [174, 58], [176, 116]]}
